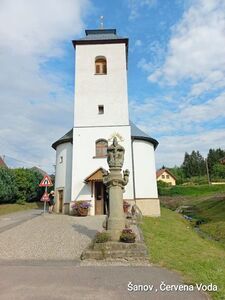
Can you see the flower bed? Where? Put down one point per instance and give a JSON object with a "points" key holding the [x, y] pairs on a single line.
{"points": [[127, 236], [81, 208]]}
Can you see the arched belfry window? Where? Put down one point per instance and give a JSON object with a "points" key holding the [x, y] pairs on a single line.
{"points": [[100, 65], [101, 146]]}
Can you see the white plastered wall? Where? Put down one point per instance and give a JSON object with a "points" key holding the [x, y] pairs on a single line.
{"points": [[64, 169], [84, 164], [146, 193], [145, 172], [109, 90]]}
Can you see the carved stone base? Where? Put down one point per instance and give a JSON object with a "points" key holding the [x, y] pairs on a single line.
{"points": [[115, 227], [116, 250]]}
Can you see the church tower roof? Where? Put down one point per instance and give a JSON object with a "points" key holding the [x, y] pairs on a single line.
{"points": [[100, 36]]}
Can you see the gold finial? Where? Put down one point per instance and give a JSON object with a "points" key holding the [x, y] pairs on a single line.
{"points": [[102, 22]]}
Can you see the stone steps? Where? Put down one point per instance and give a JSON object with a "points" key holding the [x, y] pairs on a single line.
{"points": [[116, 250]]}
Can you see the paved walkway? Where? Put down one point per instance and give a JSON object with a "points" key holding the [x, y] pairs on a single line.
{"points": [[39, 259], [11, 220], [49, 237]]}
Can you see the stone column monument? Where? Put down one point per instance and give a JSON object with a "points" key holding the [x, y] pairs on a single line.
{"points": [[115, 183]]}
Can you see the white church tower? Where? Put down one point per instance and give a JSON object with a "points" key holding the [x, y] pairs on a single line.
{"points": [[100, 113]]}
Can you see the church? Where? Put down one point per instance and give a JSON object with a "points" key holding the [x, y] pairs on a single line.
{"points": [[100, 114]]}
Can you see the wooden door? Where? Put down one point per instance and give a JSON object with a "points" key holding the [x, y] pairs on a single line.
{"points": [[99, 198], [60, 201]]}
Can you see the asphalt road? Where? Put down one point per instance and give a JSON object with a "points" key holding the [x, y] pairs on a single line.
{"points": [[60, 280], [34, 279]]}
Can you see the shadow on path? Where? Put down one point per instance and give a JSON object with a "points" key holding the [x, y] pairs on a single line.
{"points": [[85, 230]]}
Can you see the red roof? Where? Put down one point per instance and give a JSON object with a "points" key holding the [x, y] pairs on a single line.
{"points": [[222, 160], [2, 163], [161, 171]]}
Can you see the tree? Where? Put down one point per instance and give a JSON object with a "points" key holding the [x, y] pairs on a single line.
{"points": [[178, 172], [194, 164], [8, 188], [27, 182], [218, 171], [213, 158]]}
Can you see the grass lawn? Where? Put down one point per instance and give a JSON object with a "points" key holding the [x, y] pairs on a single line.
{"points": [[194, 191], [210, 210], [10, 208], [174, 244], [213, 212]]}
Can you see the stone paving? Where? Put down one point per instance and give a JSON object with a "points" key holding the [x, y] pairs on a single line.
{"points": [[39, 259], [49, 237], [11, 220]]}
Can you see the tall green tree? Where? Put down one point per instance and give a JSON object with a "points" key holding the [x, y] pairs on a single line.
{"points": [[193, 164], [214, 157], [27, 182], [8, 188], [218, 171], [178, 172]]}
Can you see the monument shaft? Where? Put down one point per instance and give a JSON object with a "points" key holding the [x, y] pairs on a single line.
{"points": [[115, 185]]}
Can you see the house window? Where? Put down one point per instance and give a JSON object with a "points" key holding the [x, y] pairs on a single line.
{"points": [[61, 159], [100, 109], [163, 176], [100, 65], [167, 176], [101, 148]]}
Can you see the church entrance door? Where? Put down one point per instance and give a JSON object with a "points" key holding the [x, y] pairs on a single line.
{"points": [[101, 203], [60, 201]]}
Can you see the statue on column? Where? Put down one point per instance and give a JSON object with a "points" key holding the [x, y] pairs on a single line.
{"points": [[115, 154], [115, 182]]}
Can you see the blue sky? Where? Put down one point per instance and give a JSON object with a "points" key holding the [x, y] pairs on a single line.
{"points": [[176, 71]]}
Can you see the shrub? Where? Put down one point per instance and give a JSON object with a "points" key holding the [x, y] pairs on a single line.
{"points": [[162, 187], [8, 188], [102, 237], [127, 236], [27, 183]]}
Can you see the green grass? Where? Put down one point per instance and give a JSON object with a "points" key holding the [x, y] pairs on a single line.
{"points": [[173, 243], [11, 208], [213, 212], [194, 191], [210, 210]]}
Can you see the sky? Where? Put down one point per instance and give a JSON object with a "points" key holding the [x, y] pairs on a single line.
{"points": [[176, 73]]}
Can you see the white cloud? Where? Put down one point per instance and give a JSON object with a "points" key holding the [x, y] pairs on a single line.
{"points": [[161, 116], [205, 112], [36, 27], [146, 66], [36, 107], [171, 149], [192, 73], [197, 47], [136, 5]]}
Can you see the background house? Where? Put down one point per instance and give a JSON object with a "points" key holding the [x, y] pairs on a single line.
{"points": [[2, 163], [166, 176]]}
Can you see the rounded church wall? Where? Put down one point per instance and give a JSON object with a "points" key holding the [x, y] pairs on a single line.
{"points": [[144, 170], [63, 171]]}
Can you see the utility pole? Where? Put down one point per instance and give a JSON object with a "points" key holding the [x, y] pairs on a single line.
{"points": [[207, 170]]}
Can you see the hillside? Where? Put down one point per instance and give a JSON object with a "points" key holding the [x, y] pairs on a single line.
{"points": [[205, 205], [174, 244]]}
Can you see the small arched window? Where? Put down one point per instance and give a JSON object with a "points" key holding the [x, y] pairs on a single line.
{"points": [[101, 148], [100, 65]]}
